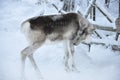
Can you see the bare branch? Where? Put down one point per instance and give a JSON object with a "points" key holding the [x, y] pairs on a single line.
{"points": [[114, 47], [106, 28], [104, 12], [96, 43], [59, 11]]}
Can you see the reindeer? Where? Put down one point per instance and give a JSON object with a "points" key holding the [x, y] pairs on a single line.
{"points": [[70, 28]]}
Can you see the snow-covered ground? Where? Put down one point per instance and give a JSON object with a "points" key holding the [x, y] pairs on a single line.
{"points": [[101, 63]]}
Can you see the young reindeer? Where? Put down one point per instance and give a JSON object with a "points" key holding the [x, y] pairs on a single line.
{"points": [[71, 28]]}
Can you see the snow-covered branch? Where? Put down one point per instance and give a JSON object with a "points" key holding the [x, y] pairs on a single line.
{"points": [[92, 2], [104, 12]]}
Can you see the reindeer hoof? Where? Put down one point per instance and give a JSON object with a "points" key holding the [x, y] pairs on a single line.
{"points": [[67, 69], [74, 69]]}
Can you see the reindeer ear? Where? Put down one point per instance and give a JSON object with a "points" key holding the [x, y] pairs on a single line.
{"points": [[94, 28], [91, 28]]}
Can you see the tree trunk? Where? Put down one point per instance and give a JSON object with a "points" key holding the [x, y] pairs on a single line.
{"points": [[94, 13], [107, 3], [119, 8], [69, 5], [91, 13], [89, 8]]}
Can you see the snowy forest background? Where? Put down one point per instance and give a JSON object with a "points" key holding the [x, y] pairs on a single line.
{"points": [[101, 63]]}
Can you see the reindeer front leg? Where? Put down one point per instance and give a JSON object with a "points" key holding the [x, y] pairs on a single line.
{"points": [[69, 50], [72, 51], [66, 55]]}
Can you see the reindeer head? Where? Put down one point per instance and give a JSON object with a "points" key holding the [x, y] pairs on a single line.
{"points": [[84, 33]]}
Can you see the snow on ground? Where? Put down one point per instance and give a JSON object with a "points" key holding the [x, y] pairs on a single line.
{"points": [[100, 63]]}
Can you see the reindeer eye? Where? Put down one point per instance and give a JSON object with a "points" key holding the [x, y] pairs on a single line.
{"points": [[80, 32], [83, 24]]}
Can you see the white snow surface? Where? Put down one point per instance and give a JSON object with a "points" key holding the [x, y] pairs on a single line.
{"points": [[101, 63]]}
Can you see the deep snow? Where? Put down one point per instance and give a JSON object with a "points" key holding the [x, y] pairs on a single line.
{"points": [[101, 63]]}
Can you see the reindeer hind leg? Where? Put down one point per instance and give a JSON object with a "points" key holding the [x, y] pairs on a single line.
{"points": [[28, 52]]}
